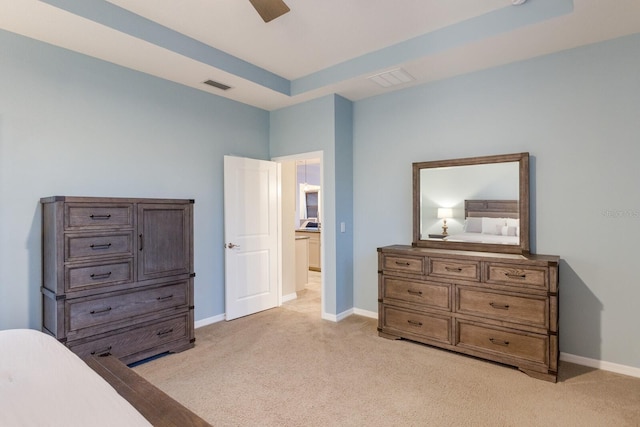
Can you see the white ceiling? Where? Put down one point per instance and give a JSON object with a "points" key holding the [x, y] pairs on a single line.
{"points": [[320, 46]]}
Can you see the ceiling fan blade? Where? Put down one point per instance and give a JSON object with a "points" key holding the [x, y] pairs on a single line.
{"points": [[270, 9]]}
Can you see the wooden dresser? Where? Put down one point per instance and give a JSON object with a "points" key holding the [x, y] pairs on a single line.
{"points": [[118, 275], [501, 307]]}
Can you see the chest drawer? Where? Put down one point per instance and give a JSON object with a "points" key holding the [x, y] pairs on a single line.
{"points": [[136, 340], [531, 347], [86, 246], [428, 326], [98, 274], [506, 274], [88, 215], [517, 309], [404, 263], [458, 269], [423, 293], [85, 313]]}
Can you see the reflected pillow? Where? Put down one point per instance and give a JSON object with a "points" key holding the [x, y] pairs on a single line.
{"points": [[473, 225], [513, 222], [509, 231], [493, 225]]}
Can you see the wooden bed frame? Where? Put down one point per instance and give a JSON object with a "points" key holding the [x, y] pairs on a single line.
{"points": [[491, 208], [155, 405]]}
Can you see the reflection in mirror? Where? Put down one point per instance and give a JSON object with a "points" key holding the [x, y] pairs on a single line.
{"points": [[478, 203], [449, 187]]}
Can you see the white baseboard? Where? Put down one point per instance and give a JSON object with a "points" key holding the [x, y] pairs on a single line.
{"points": [[365, 313], [289, 297], [600, 364], [209, 321]]}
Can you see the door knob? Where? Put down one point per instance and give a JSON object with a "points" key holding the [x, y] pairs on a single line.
{"points": [[231, 246]]}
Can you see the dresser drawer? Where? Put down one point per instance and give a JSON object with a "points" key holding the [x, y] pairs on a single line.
{"points": [[89, 215], [87, 246], [136, 340], [423, 293], [531, 347], [517, 309], [424, 325], [506, 274], [89, 312], [97, 275], [403, 263], [458, 269]]}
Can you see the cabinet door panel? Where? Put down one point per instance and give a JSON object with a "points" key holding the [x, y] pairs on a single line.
{"points": [[164, 240]]}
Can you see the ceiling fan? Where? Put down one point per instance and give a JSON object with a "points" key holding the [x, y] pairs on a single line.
{"points": [[270, 9]]}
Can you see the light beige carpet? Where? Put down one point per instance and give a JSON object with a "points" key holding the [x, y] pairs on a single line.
{"points": [[287, 367]]}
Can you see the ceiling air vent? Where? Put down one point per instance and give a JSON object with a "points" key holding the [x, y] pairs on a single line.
{"points": [[391, 78], [217, 84]]}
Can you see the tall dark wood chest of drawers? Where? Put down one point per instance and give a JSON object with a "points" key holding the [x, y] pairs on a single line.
{"points": [[500, 307], [117, 275]]}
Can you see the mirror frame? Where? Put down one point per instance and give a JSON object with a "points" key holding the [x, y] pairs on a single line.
{"points": [[522, 248]]}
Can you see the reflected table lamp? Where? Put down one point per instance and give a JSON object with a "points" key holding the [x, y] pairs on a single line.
{"points": [[444, 213]]}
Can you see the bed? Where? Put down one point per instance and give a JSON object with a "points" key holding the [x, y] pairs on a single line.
{"points": [[489, 221], [42, 383]]}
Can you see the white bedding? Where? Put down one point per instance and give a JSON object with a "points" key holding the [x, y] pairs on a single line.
{"points": [[483, 238], [42, 383]]}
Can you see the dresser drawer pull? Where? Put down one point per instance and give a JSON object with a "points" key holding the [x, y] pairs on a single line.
{"points": [[102, 310], [100, 217], [98, 247], [412, 292], [499, 342], [453, 269], [402, 263], [100, 276], [103, 352], [515, 276], [165, 297], [414, 323], [165, 332], [499, 306]]}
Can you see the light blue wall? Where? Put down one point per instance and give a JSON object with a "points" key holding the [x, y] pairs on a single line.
{"points": [[324, 125], [578, 114], [344, 203], [73, 125]]}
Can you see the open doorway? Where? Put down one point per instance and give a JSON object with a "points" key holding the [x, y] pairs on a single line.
{"points": [[302, 235]]}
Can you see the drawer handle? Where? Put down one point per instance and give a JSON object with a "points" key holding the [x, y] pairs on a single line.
{"points": [[100, 217], [100, 276], [499, 342], [103, 352], [453, 269], [414, 323], [412, 292], [402, 263], [98, 247], [499, 306], [515, 276], [102, 310], [165, 332], [165, 297]]}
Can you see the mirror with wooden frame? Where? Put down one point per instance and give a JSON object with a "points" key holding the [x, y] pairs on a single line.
{"points": [[475, 204]]}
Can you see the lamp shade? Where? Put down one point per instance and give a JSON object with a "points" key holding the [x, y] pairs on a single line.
{"points": [[445, 213]]}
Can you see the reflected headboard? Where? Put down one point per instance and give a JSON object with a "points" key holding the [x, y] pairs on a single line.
{"points": [[491, 208]]}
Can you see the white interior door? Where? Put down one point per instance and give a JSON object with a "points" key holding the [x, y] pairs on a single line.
{"points": [[251, 202]]}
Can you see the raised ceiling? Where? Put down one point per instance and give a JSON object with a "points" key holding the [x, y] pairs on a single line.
{"points": [[320, 46]]}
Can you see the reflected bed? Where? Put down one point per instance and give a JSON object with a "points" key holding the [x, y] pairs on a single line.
{"points": [[489, 221]]}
